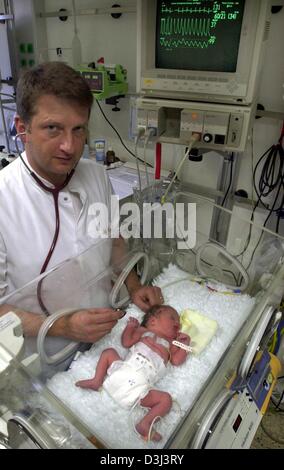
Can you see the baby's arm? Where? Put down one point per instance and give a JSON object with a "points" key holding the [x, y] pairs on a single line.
{"points": [[179, 355], [132, 332]]}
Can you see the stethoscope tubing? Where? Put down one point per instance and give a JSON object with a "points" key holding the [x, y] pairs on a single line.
{"points": [[55, 193]]}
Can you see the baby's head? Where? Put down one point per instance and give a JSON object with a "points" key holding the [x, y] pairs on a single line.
{"points": [[162, 319]]}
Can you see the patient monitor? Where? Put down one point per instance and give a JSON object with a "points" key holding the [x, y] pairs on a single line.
{"points": [[199, 68]]}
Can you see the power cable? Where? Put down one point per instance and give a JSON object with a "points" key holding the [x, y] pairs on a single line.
{"points": [[118, 135], [271, 177], [231, 179], [271, 180], [194, 138]]}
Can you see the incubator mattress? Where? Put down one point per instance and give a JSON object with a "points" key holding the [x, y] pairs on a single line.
{"points": [[115, 425]]}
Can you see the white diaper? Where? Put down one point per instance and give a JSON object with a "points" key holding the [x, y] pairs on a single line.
{"points": [[130, 380]]}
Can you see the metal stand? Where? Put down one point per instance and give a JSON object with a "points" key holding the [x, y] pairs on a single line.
{"points": [[228, 176], [7, 98]]}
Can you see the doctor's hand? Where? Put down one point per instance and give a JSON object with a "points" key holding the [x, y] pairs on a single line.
{"points": [[147, 296], [87, 326]]}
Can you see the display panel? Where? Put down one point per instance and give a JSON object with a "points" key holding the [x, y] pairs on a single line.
{"points": [[196, 35], [201, 50]]}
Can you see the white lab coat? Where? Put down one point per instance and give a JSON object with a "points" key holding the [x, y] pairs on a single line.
{"points": [[27, 224]]}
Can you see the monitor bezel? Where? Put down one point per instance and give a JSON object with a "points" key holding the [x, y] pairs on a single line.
{"points": [[239, 86]]}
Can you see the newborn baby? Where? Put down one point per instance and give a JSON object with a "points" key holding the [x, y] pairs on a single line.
{"points": [[130, 381]]}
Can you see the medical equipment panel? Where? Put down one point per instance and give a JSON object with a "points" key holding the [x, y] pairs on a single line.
{"points": [[105, 81], [220, 127], [243, 414]]}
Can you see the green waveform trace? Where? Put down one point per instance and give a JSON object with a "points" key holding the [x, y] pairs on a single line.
{"points": [[171, 44], [185, 27], [187, 10]]}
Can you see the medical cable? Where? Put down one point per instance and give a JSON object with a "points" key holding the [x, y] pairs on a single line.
{"points": [[131, 418], [63, 353], [144, 438], [227, 255], [55, 193], [151, 427], [124, 274], [202, 282], [271, 179], [219, 218], [262, 232], [209, 264], [231, 179], [224, 270], [140, 134], [118, 135], [2, 115], [272, 174], [7, 94], [161, 417], [150, 132], [278, 396], [137, 402], [194, 138], [145, 162]]}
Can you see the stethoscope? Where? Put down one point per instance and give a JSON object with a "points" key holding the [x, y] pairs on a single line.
{"points": [[55, 193]]}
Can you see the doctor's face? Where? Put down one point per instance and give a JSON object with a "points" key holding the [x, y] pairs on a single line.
{"points": [[55, 137]]}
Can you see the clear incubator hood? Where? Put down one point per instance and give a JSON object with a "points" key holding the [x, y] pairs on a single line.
{"points": [[215, 262]]}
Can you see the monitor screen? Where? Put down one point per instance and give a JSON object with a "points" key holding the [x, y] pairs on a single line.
{"points": [[209, 50], [198, 34]]}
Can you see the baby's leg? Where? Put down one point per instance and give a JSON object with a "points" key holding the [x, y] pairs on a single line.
{"points": [[108, 356], [160, 404]]}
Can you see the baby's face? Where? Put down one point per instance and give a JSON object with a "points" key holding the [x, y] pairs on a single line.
{"points": [[168, 322]]}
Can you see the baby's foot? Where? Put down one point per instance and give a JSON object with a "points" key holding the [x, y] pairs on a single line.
{"points": [[144, 431], [91, 383]]}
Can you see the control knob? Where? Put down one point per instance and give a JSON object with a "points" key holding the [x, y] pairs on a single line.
{"points": [[207, 138]]}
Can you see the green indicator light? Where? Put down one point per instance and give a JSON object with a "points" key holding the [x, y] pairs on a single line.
{"points": [[22, 48], [30, 48]]}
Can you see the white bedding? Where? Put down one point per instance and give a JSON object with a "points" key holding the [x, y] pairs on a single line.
{"points": [[112, 423]]}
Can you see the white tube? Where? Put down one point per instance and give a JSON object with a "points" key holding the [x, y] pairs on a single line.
{"points": [[63, 353], [227, 255], [141, 132], [123, 275], [194, 138], [151, 132]]}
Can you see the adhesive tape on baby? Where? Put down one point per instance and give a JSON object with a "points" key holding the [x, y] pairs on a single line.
{"points": [[200, 328]]}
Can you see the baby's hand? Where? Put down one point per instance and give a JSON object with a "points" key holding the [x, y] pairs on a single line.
{"points": [[183, 337], [133, 322]]}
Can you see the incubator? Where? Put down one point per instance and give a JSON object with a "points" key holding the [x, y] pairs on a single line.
{"points": [[213, 267]]}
